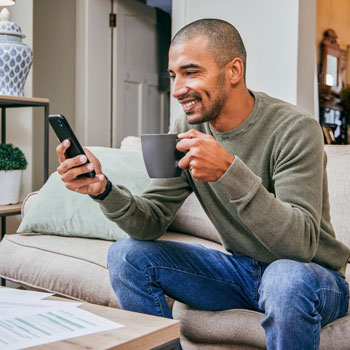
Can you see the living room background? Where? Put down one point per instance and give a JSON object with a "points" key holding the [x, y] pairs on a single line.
{"points": [[281, 41]]}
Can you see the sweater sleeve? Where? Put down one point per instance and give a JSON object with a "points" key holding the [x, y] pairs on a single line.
{"points": [[146, 217], [286, 220]]}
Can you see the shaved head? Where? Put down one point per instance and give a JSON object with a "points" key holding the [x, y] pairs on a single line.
{"points": [[224, 41]]}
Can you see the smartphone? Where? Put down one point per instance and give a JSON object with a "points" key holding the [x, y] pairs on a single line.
{"points": [[63, 131]]}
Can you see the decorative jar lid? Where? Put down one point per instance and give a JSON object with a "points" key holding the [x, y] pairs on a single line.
{"points": [[10, 28]]}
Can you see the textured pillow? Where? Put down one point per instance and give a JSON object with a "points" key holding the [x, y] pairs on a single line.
{"points": [[60, 211]]}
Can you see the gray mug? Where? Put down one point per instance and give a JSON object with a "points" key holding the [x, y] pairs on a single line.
{"points": [[160, 155]]}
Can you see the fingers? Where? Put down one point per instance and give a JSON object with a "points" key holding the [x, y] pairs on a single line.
{"points": [[61, 150], [190, 134], [73, 173], [205, 157], [191, 139], [185, 162], [70, 163], [96, 163], [82, 185], [71, 170]]}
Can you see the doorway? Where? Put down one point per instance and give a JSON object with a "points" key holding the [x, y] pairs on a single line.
{"points": [[117, 75]]}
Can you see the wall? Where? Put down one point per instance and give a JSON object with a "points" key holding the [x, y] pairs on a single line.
{"points": [[19, 121], [93, 72], [270, 30], [307, 86], [54, 72], [334, 15]]}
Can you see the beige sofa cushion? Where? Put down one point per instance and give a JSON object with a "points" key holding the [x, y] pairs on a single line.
{"points": [[68, 266], [241, 329], [338, 170], [192, 219]]}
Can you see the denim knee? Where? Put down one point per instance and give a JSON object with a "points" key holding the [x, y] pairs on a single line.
{"points": [[282, 282], [116, 250], [125, 249], [123, 256]]}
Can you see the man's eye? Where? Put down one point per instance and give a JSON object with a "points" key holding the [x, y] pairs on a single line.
{"points": [[172, 77], [191, 72]]}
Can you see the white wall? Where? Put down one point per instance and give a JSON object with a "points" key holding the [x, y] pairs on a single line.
{"points": [[307, 88], [54, 72], [270, 31], [93, 72]]}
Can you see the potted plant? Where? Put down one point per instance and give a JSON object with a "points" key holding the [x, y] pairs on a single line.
{"points": [[12, 164]]}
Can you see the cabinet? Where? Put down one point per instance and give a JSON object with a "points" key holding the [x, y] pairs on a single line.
{"points": [[18, 102]]}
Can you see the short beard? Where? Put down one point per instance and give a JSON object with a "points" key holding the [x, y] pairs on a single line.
{"points": [[218, 104]]}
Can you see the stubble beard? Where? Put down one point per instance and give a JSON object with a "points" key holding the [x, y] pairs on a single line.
{"points": [[217, 105]]}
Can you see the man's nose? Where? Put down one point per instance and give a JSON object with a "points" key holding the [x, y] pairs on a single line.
{"points": [[179, 88]]}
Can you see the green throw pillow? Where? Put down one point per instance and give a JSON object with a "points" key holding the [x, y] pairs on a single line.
{"points": [[60, 211]]}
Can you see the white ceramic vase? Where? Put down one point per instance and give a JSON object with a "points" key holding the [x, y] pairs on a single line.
{"points": [[10, 184], [15, 59]]}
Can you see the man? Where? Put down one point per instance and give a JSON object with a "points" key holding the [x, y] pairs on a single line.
{"points": [[257, 165]]}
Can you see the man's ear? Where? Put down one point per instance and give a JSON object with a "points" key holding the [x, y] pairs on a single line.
{"points": [[236, 70]]}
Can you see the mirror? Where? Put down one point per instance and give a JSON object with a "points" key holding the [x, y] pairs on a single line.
{"points": [[331, 60], [331, 71]]}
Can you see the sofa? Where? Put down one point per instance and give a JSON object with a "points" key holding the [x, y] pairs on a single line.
{"points": [[75, 266]]}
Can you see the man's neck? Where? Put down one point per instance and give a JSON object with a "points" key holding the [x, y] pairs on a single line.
{"points": [[235, 112]]}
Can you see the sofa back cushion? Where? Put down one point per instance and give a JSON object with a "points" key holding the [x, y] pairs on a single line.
{"points": [[338, 170], [59, 211]]}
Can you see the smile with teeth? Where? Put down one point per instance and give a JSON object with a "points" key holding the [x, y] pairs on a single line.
{"points": [[189, 104]]}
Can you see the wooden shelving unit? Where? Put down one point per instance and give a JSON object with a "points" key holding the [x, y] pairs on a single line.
{"points": [[18, 102], [10, 209]]}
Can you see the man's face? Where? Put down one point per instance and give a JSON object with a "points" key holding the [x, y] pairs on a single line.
{"points": [[199, 84]]}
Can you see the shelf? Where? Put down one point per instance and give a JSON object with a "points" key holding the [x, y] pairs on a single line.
{"points": [[14, 101], [17, 102], [11, 209]]}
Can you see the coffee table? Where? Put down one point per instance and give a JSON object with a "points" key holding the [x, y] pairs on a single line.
{"points": [[140, 332]]}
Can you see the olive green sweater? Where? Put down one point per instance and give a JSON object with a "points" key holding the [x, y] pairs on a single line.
{"points": [[272, 203]]}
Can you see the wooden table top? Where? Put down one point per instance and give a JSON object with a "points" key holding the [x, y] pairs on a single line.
{"points": [[140, 331]]}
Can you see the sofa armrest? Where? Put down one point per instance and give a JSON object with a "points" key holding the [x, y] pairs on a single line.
{"points": [[28, 201]]}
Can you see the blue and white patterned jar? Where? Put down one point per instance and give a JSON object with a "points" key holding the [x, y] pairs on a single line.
{"points": [[15, 59]]}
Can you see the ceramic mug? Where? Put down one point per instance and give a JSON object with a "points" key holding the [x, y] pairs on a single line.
{"points": [[160, 155]]}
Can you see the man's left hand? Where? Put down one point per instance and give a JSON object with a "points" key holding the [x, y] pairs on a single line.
{"points": [[205, 157]]}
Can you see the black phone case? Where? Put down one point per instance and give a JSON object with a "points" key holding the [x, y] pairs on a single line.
{"points": [[63, 131]]}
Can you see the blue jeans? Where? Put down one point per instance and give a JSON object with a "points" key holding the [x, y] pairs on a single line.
{"points": [[297, 298]]}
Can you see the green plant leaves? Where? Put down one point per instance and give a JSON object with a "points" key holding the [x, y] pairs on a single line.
{"points": [[11, 158]]}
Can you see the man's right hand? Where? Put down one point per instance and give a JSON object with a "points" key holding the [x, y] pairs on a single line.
{"points": [[71, 168]]}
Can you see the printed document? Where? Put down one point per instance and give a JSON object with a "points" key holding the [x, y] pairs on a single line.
{"points": [[26, 320]]}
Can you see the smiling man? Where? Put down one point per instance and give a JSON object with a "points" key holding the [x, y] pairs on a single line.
{"points": [[257, 165]]}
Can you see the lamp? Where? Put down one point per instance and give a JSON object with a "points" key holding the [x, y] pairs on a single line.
{"points": [[15, 57]]}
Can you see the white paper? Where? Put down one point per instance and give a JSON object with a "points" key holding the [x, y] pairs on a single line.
{"points": [[24, 294], [13, 308], [27, 321]]}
